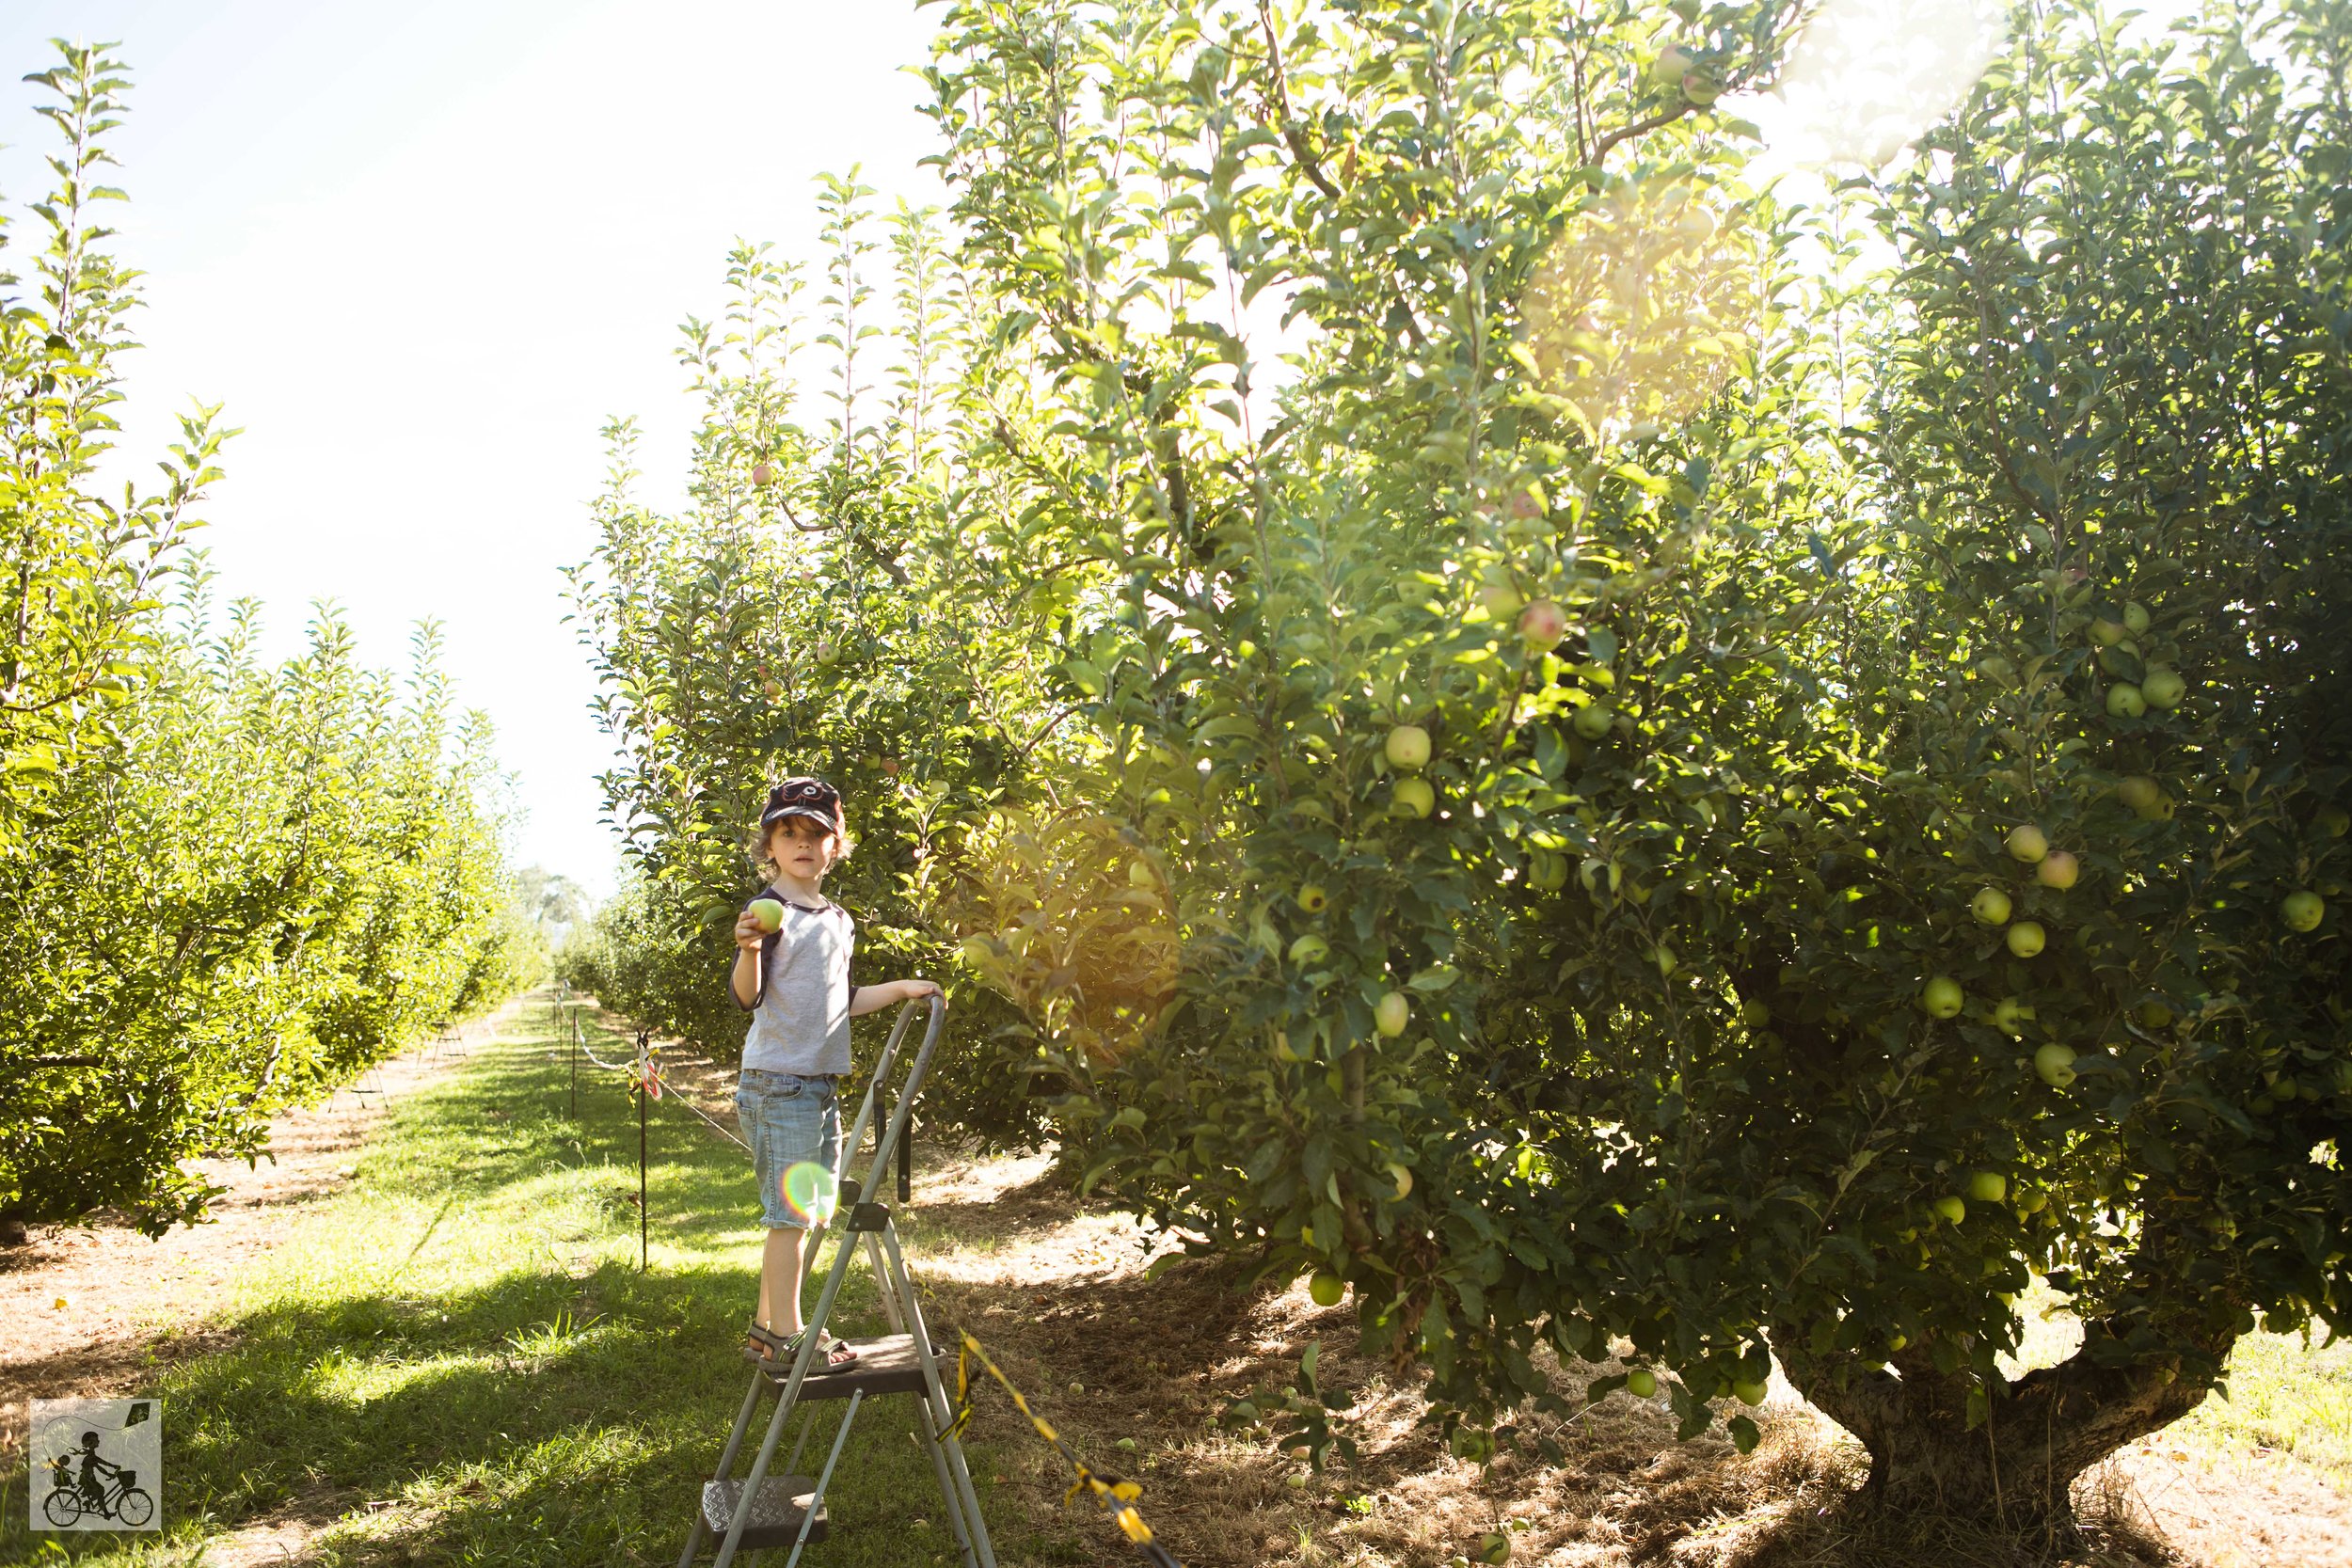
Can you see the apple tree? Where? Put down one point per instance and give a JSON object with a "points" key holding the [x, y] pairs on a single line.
{"points": [[1704, 815], [2106, 798], [78, 571], [229, 885], [1438, 662], [809, 612]]}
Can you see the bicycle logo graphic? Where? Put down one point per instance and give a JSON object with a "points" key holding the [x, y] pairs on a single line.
{"points": [[94, 1451]]}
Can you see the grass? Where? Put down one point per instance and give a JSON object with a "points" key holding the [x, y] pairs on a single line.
{"points": [[2282, 1396], [456, 1359], [2285, 1397]]}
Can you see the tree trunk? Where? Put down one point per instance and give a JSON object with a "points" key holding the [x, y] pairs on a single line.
{"points": [[2011, 1472]]}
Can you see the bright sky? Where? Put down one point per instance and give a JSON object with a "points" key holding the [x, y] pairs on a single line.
{"points": [[422, 253]]}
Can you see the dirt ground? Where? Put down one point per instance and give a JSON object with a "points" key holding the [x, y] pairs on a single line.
{"points": [[1057, 1293]]}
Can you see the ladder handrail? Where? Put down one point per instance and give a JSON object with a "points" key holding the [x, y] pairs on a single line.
{"points": [[888, 1141]]}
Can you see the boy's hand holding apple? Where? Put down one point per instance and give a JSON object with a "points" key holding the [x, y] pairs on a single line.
{"points": [[756, 924]]}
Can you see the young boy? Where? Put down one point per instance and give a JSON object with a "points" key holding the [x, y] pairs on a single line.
{"points": [[795, 983]]}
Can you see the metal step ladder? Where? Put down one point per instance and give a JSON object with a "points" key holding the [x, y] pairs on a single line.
{"points": [[767, 1509]]}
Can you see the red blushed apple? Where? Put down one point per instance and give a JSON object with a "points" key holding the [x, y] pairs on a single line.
{"points": [[2059, 869], [1543, 624], [763, 474]]}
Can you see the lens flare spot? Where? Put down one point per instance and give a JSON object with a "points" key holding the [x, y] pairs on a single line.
{"points": [[1643, 307], [1054, 915], [810, 1192], [1868, 77]]}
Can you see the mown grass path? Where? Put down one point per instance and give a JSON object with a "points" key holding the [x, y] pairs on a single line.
{"points": [[456, 1360]]}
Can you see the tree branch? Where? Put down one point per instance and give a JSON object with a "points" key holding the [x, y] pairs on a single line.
{"points": [[1293, 134]]}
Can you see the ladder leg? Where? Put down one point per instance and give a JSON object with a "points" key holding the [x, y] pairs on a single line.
{"points": [[789, 1400], [825, 1478], [927, 1432], [751, 1487], [807, 1423], [927, 1427], [935, 1393], [882, 1279], [726, 1463]]}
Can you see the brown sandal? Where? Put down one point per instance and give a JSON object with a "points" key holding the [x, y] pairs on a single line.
{"points": [[769, 1348]]}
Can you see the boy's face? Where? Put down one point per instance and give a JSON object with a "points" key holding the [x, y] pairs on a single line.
{"points": [[800, 847]]}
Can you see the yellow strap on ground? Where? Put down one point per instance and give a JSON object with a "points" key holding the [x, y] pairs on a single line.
{"points": [[1115, 1495]]}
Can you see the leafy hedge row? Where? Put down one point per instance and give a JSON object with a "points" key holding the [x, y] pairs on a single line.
{"points": [[224, 884]]}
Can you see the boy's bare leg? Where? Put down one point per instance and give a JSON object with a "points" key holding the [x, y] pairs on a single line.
{"points": [[780, 1280]]}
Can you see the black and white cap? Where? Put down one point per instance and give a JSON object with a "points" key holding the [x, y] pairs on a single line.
{"points": [[804, 797]]}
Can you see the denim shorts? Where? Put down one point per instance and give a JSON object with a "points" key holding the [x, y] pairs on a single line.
{"points": [[788, 1120]]}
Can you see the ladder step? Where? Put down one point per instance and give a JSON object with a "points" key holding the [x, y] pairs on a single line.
{"points": [[885, 1365], [776, 1512]]}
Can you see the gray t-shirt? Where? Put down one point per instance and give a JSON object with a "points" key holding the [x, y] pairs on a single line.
{"points": [[801, 1024]]}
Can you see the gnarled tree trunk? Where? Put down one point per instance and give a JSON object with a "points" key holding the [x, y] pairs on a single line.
{"points": [[2013, 1472]]}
